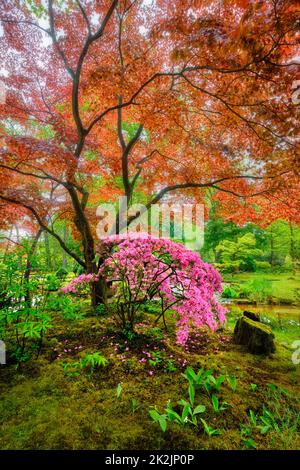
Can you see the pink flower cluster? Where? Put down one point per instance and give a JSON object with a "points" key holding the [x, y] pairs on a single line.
{"points": [[145, 268], [75, 283]]}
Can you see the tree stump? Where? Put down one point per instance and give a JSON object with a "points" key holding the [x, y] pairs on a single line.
{"points": [[253, 316], [257, 337]]}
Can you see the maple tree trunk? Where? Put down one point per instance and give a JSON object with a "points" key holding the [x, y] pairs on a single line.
{"points": [[98, 295], [98, 290]]}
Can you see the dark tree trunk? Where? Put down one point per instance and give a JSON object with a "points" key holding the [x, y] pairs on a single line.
{"points": [[98, 291]]}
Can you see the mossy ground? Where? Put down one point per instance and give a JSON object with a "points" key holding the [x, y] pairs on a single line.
{"points": [[43, 408]]}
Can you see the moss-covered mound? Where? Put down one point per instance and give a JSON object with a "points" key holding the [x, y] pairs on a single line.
{"points": [[48, 403], [257, 337]]}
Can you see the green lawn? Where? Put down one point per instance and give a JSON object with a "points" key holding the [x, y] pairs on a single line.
{"points": [[283, 285]]}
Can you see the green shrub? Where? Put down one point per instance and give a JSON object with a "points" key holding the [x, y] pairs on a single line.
{"points": [[230, 293], [61, 273], [263, 266], [89, 362], [258, 290], [52, 282]]}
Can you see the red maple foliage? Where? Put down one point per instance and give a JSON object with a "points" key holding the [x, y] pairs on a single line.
{"points": [[108, 98]]}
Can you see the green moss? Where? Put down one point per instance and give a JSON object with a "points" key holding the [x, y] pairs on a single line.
{"points": [[257, 337], [42, 408]]}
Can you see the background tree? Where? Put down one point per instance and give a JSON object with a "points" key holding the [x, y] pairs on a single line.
{"points": [[239, 254]]}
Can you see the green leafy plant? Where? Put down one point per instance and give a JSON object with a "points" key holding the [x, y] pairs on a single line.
{"points": [[204, 379], [134, 405], [159, 361], [217, 405], [128, 333], [161, 419], [170, 367], [71, 370], [89, 362], [188, 414], [156, 359], [267, 422], [20, 355], [230, 293], [249, 443], [119, 390], [209, 430], [232, 381], [101, 309], [52, 282], [92, 361], [252, 418]]}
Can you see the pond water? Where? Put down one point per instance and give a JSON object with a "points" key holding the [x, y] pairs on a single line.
{"points": [[280, 312]]}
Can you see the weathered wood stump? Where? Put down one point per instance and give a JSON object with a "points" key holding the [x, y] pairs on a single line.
{"points": [[257, 337], [253, 316]]}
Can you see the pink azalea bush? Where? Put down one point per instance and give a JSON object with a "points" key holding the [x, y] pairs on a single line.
{"points": [[76, 283], [144, 268]]}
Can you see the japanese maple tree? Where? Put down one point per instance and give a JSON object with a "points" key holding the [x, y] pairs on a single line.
{"points": [[108, 98]]}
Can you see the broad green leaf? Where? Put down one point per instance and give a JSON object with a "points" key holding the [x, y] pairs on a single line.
{"points": [[215, 402], [199, 409], [192, 393]]}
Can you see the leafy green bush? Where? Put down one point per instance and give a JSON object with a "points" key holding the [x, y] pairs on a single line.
{"points": [[61, 273], [101, 309], [190, 411], [239, 255], [90, 362], [203, 379], [263, 266], [230, 293], [52, 282], [65, 306], [24, 320], [258, 290], [248, 264], [24, 329]]}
